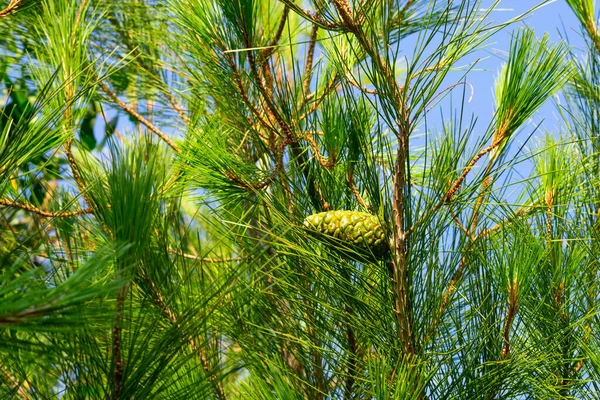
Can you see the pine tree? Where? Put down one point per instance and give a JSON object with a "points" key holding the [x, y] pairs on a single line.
{"points": [[252, 199]]}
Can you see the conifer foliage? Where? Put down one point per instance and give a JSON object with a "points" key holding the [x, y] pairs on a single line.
{"points": [[258, 199]]}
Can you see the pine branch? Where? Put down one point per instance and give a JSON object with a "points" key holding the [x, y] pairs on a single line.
{"points": [[333, 82], [43, 213], [309, 59], [350, 181], [12, 7], [139, 117], [268, 51], [513, 296]]}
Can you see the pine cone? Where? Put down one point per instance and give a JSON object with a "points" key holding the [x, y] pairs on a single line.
{"points": [[361, 231]]}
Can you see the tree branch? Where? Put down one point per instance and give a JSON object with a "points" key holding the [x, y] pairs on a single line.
{"points": [[309, 59], [130, 110], [12, 7], [43, 213]]}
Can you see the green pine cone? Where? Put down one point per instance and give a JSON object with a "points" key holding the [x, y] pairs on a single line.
{"points": [[362, 231]]}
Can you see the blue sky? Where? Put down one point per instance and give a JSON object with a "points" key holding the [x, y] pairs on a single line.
{"points": [[557, 20]]}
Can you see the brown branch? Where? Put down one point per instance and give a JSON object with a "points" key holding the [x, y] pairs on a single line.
{"points": [[458, 183], [359, 87], [12, 7], [130, 110], [401, 13], [459, 271], [75, 170], [265, 182], [317, 103], [513, 296], [80, 10], [592, 31], [487, 182], [325, 163], [176, 106], [350, 181], [585, 338], [127, 39], [549, 198], [267, 96], [460, 225], [43, 213], [309, 59], [451, 288], [352, 357], [455, 187], [267, 52], [242, 92], [520, 213], [400, 272]]}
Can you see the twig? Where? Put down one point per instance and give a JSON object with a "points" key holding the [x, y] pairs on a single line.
{"points": [[12, 7], [401, 13], [43, 213], [458, 183], [325, 163], [487, 182], [176, 106], [460, 225], [455, 187], [513, 296], [309, 59], [451, 287], [127, 39], [265, 182], [242, 92], [268, 51], [267, 96], [138, 116], [520, 213], [75, 170], [350, 181], [549, 198], [592, 31], [359, 87], [352, 357], [317, 103]]}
